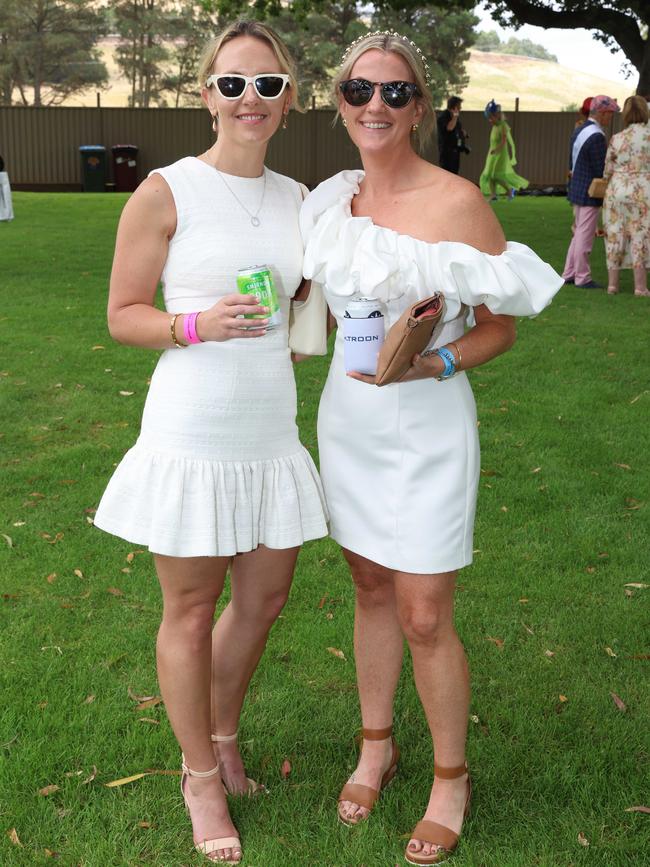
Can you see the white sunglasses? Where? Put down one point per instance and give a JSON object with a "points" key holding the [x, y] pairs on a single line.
{"points": [[268, 85]]}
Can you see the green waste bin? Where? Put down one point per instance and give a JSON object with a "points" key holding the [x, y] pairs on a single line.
{"points": [[93, 168]]}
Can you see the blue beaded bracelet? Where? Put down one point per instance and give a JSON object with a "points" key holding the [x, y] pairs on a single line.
{"points": [[449, 361]]}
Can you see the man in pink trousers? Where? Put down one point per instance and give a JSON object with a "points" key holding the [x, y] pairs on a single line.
{"points": [[586, 162]]}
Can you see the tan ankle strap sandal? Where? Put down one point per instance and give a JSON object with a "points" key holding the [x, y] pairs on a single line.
{"points": [[366, 796], [432, 832]]}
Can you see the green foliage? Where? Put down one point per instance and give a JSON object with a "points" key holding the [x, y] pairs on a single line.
{"points": [[47, 49], [144, 25], [561, 529], [490, 41]]}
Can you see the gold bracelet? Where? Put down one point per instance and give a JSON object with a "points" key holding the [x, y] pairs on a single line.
{"points": [[172, 327], [460, 357]]}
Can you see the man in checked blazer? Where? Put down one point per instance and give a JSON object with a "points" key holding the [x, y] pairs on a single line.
{"points": [[586, 161]]}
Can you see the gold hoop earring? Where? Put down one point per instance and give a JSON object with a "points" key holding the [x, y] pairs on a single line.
{"points": [[215, 122]]}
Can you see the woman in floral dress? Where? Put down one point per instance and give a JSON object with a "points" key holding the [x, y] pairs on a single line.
{"points": [[626, 213]]}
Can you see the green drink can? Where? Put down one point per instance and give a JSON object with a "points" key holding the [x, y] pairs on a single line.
{"points": [[259, 281]]}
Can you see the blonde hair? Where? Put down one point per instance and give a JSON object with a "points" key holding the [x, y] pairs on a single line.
{"points": [[246, 27], [635, 110], [407, 51]]}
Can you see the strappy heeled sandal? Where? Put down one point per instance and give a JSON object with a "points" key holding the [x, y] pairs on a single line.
{"points": [[253, 787], [432, 832], [366, 796], [207, 847]]}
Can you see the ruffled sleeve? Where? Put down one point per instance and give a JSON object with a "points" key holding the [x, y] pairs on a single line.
{"points": [[351, 254]]}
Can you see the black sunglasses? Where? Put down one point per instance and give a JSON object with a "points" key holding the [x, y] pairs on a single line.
{"points": [[396, 94], [267, 85]]}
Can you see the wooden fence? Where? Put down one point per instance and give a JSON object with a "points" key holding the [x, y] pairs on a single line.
{"points": [[41, 145]]}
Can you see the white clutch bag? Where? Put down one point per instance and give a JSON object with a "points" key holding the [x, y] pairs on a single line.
{"points": [[308, 324]]}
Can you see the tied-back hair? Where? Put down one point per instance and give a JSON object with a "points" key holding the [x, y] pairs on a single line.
{"points": [[403, 47], [247, 27], [635, 110]]}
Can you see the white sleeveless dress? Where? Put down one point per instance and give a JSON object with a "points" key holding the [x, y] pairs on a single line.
{"points": [[218, 468], [400, 464]]}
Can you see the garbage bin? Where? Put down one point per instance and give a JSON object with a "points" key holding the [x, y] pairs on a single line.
{"points": [[125, 167], [93, 168]]}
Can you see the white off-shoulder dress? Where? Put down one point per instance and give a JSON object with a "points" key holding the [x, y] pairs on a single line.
{"points": [[400, 464], [218, 468]]}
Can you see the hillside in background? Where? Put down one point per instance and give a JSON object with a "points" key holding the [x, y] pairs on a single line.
{"points": [[541, 85]]}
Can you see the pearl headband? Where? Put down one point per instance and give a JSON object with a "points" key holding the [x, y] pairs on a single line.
{"points": [[396, 35]]}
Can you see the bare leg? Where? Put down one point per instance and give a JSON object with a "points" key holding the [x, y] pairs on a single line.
{"points": [[378, 651], [425, 605], [640, 282], [190, 588], [260, 583], [612, 281]]}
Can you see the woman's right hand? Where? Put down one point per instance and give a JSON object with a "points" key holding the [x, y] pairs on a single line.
{"points": [[223, 320]]}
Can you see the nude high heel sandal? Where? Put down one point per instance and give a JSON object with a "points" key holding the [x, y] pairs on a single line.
{"points": [[207, 847], [254, 788], [434, 833], [366, 796]]}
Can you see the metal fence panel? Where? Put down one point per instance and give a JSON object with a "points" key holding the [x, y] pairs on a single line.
{"points": [[41, 145]]}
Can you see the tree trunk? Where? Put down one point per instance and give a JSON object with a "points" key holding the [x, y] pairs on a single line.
{"points": [[643, 87]]}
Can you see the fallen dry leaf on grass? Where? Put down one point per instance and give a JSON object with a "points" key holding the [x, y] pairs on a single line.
{"points": [[13, 836], [114, 591], [336, 652], [145, 824], [583, 840], [124, 781], [549, 653], [623, 466], [135, 697], [563, 698], [498, 641], [51, 578], [637, 810], [48, 790], [8, 540], [90, 778], [50, 854], [78, 573], [151, 702], [127, 393], [637, 585], [285, 770], [89, 699], [610, 652], [154, 722], [322, 602], [620, 704]]}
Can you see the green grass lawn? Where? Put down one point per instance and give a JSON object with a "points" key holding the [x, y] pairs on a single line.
{"points": [[552, 612]]}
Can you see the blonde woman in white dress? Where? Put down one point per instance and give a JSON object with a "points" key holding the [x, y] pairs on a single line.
{"points": [[218, 480], [400, 464]]}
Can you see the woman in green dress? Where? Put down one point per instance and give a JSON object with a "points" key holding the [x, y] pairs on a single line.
{"points": [[501, 159]]}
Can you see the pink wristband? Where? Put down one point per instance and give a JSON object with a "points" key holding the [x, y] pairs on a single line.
{"points": [[189, 328]]}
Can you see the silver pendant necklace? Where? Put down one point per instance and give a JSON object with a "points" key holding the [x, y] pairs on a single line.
{"points": [[255, 220]]}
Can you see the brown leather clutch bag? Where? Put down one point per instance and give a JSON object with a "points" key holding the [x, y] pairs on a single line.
{"points": [[408, 336]]}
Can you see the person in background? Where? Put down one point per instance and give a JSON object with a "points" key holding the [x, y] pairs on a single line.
{"points": [[501, 158], [626, 210], [583, 112], [452, 138], [6, 206], [587, 151]]}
